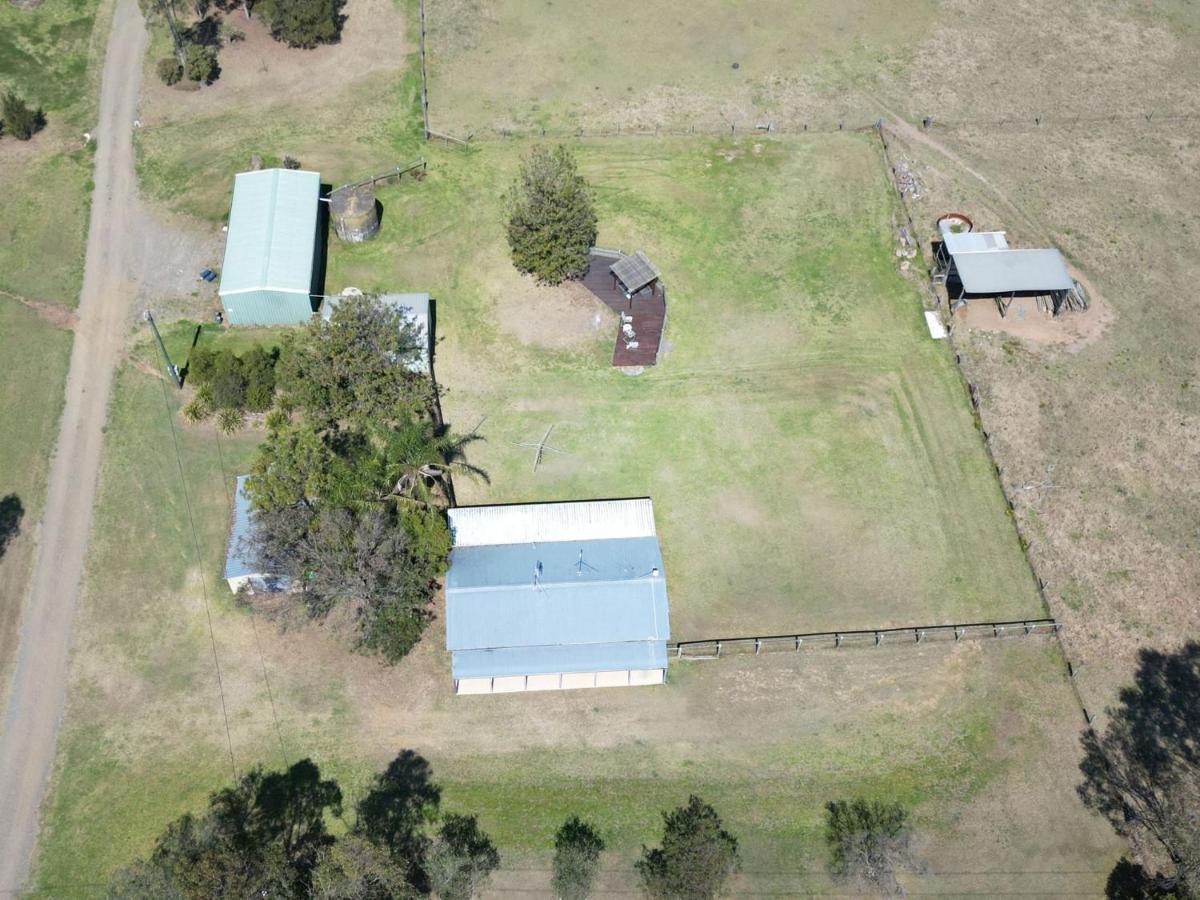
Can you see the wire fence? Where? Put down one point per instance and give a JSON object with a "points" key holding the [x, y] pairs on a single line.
{"points": [[1016, 123], [715, 648]]}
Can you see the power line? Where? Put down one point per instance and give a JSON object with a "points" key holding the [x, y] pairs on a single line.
{"points": [[200, 564], [253, 618]]}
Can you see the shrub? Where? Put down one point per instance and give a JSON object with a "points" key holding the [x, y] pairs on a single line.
{"points": [[169, 70], [20, 120], [290, 162], [197, 410], [229, 420], [551, 217], [200, 63], [868, 840]]}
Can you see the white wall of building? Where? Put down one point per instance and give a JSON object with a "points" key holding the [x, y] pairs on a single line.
{"points": [[510, 684]]}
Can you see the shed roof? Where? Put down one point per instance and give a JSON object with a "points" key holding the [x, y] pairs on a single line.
{"points": [[1012, 271], [272, 232], [635, 272], [523, 523], [239, 557], [970, 241], [578, 604]]}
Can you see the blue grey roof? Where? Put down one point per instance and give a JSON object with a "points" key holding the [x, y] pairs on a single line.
{"points": [[551, 660], [543, 607], [239, 559], [1012, 271], [272, 232]]}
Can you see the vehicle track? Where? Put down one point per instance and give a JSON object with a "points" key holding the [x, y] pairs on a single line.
{"points": [[39, 684]]}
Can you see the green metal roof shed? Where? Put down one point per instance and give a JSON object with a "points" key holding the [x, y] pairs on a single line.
{"points": [[271, 246]]}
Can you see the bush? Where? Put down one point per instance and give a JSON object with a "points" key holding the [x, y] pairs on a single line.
{"points": [[19, 119], [304, 23], [200, 63], [169, 70], [868, 840], [551, 217], [290, 162], [229, 382]]}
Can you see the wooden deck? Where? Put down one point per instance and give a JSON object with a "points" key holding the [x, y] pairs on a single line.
{"points": [[648, 308]]}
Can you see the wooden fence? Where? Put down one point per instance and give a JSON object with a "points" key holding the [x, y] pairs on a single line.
{"points": [[874, 637], [413, 169]]}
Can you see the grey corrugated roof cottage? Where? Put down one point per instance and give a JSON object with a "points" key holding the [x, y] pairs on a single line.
{"points": [[241, 562], [548, 596], [271, 247]]}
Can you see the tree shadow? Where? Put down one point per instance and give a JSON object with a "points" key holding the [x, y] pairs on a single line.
{"points": [[1129, 881], [401, 801], [1143, 773], [12, 511]]}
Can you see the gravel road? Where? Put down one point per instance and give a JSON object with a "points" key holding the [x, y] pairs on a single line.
{"points": [[39, 685]]}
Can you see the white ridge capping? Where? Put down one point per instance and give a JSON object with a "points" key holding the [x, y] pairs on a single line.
{"points": [[530, 523]]}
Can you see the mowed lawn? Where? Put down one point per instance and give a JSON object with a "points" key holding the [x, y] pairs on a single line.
{"points": [[813, 463], [810, 452]]}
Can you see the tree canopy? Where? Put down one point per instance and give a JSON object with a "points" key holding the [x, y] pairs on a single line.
{"points": [[348, 487], [1143, 773], [577, 849], [551, 216], [266, 837], [868, 840], [261, 837], [303, 23], [696, 858]]}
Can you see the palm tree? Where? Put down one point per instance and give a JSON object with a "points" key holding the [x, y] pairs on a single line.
{"points": [[417, 459]]}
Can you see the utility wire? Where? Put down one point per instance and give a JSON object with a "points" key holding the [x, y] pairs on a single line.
{"points": [[200, 563], [253, 618]]}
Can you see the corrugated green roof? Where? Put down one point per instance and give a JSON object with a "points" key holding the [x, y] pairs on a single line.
{"points": [[272, 232]]}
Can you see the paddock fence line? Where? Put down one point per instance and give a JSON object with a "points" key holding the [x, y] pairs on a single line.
{"points": [[1028, 123], [973, 395], [715, 648], [414, 169], [424, 79]]}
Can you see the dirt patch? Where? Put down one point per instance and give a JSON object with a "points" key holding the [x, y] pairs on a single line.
{"points": [[259, 70], [556, 318], [1071, 331]]}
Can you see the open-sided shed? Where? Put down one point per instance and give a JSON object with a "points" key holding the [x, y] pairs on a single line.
{"points": [[550, 596], [271, 248]]}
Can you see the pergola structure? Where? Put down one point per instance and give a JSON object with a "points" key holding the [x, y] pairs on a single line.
{"points": [[634, 274]]}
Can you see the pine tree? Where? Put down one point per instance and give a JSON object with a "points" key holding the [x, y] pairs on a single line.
{"points": [[20, 120], [551, 217]]}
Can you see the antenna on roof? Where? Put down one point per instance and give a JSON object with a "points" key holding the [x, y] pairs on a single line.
{"points": [[581, 564], [541, 446], [537, 574]]}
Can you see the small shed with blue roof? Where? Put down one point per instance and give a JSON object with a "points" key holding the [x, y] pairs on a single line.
{"points": [[242, 571], [550, 596]]}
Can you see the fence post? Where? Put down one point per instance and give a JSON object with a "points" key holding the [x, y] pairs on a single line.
{"points": [[757, 646], [837, 639], [718, 649]]}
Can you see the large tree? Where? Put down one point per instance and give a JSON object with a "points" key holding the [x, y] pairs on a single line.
{"points": [[1143, 772], [261, 837], [577, 849], [357, 365], [551, 217], [696, 858], [303, 23], [348, 486], [868, 841]]}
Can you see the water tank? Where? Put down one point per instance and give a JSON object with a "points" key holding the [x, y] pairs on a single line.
{"points": [[355, 216]]}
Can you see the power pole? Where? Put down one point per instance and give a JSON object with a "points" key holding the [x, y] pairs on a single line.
{"points": [[172, 369]]}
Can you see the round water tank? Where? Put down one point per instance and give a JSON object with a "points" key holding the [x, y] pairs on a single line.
{"points": [[355, 216]]}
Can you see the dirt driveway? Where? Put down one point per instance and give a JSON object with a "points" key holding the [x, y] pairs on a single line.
{"points": [[39, 683]]}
